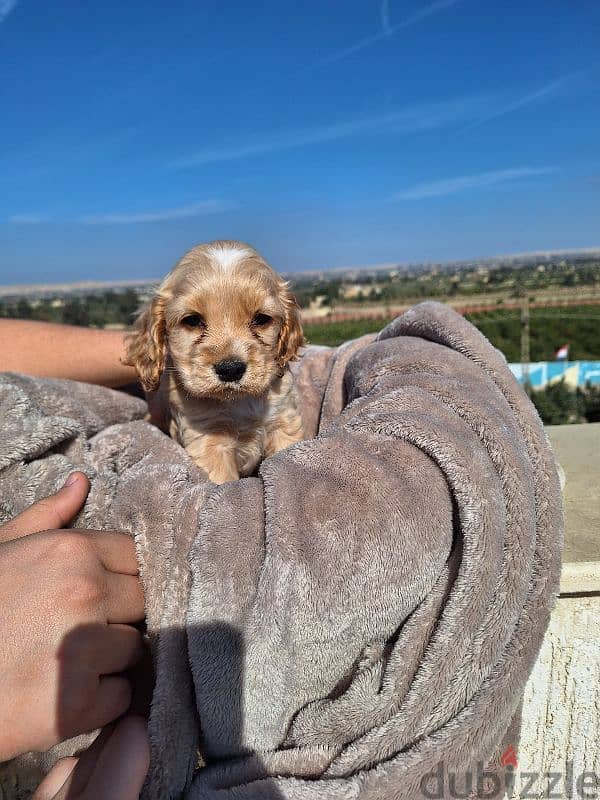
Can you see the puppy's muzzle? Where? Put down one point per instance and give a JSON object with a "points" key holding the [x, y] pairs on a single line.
{"points": [[229, 370]]}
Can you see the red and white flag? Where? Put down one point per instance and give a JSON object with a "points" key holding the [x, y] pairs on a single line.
{"points": [[562, 354]]}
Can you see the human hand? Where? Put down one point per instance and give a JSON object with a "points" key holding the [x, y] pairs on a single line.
{"points": [[112, 768], [67, 599]]}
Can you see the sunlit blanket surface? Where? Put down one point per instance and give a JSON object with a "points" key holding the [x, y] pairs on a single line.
{"points": [[366, 607]]}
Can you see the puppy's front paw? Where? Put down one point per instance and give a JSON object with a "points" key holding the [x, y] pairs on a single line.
{"points": [[215, 454]]}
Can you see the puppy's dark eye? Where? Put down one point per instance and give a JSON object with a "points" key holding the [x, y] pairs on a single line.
{"points": [[261, 320], [193, 321]]}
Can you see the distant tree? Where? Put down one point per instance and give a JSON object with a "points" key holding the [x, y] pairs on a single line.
{"points": [[74, 312], [556, 404], [589, 402], [23, 309], [331, 292], [518, 289], [129, 304]]}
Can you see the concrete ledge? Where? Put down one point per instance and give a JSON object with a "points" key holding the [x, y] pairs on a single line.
{"points": [[580, 577], [560, 719]]}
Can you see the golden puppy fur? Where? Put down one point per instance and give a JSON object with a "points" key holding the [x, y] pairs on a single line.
{"points": [[215, 341]]}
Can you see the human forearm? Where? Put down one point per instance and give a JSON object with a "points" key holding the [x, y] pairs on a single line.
{"points": [[64, 351]]}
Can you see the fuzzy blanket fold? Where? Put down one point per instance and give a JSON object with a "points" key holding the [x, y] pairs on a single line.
{"points": [[369, 605]]}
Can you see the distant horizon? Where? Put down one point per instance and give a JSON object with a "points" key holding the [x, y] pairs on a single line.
{"points": [[92, 283], [347, 132]]}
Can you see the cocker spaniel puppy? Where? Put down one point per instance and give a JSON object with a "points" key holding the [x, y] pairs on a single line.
{"points": [[215, 341]]}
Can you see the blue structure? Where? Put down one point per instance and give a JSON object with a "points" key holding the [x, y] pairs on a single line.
{"points": [[575, 373]]}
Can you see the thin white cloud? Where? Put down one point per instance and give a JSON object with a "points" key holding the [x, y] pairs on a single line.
{"points": [[163, 215], [6, 6], [387, 30], [28, 219], [462, 183], [532, 97], [412, 119], [466, 111]]}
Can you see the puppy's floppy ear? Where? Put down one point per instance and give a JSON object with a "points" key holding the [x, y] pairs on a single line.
{"points": [[147, 345], [291, 335]]}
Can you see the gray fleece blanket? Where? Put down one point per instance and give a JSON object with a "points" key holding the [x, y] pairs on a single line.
{"points": [[366, 607]]}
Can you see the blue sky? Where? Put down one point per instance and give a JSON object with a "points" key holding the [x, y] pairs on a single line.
{"points": [[327, 134]]}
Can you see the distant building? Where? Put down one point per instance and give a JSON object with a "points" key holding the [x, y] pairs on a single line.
{"points": [[353, 291]]}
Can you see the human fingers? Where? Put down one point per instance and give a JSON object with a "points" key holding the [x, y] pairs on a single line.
{"points": [[105, 649], [63, 776], [55, 779], [122, 764], [86, 702], [124, 601], [55, 511], [113, 768], [116, 551]]}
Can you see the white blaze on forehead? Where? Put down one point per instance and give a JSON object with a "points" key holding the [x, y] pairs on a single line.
{"points": [[228, 257]]}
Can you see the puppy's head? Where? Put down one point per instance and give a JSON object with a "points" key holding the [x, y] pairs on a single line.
{"points": [[223, 320]]}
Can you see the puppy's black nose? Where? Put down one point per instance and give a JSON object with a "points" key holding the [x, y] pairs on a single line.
{"points": [[229, 370]]}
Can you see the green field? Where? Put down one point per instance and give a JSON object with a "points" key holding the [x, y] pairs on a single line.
{"points": [[579, 326], [334, 333]]}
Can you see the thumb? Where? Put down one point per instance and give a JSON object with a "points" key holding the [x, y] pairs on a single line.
{"points": [[50, 513]]}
